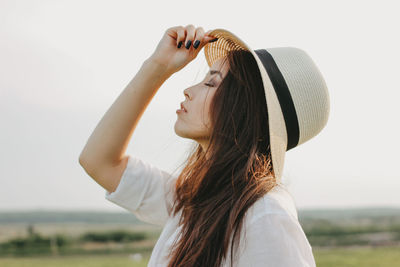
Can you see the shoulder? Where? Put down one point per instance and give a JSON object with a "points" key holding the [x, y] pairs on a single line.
{"points": [[272, 234], [277, 201]]}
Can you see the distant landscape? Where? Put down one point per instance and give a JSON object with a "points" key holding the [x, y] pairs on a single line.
{"points": [[40, 235]]}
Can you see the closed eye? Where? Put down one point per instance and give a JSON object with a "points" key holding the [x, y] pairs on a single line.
{"points": [[209, 84]]}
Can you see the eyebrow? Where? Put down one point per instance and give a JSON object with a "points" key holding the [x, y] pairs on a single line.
{"points": [[212, 72]]}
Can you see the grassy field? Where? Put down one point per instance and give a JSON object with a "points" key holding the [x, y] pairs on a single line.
{"points": [[341, 238], [76, 261], [346, 257], [358, 257]]}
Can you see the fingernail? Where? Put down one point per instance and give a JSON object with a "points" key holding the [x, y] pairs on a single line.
{"points": [[213, 40], [188, 44], [180, 44], [196, 44]]}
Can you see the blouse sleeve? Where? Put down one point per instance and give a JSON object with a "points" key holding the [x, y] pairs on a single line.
{"points": [[276, 240], [144, 190]]}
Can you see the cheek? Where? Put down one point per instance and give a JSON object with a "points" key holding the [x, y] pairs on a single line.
{"points": [[206, 108], [199, 114]]}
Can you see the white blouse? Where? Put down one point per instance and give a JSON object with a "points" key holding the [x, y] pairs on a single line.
{"points": [[272, 235]]}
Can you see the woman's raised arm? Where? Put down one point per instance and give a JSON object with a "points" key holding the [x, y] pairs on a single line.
{"points": [[103, 155]]}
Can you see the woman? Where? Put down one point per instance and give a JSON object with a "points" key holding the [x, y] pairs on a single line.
{"points": [[228, 206]]}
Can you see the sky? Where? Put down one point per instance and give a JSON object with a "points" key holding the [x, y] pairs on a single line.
{"points": [[63, 64]]}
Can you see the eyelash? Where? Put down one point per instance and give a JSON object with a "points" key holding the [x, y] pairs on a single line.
{"points": [[209, 84]]}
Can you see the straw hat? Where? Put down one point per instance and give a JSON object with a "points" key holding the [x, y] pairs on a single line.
{"points": [[296, 93]]}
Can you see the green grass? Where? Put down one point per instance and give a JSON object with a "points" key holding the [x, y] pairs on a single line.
{"points": [[364, 257], [75, 261]]}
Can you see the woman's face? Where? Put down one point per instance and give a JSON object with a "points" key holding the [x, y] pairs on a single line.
{"points": [[195, 123]]}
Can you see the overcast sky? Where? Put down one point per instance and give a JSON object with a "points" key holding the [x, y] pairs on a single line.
{"points": [[63, 63]]}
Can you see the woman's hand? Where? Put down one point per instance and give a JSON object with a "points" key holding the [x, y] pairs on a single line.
{"points": [[173, 58]]}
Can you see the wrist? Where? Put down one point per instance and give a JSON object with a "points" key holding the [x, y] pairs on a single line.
{"points": [[160, 68]]}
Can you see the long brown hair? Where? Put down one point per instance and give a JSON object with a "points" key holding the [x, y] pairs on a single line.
{"points": [[217, 186]]}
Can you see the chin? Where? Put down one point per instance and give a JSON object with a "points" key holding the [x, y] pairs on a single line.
{"points": [[179, 130], [183, 132]]}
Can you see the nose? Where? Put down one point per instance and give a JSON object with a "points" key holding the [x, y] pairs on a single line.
{"points": [[186, 93]]}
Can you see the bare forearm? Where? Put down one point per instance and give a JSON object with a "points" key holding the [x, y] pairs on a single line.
{"points": [[110, 138]]}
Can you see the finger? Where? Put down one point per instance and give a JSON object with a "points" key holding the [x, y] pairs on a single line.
{"points": [[177, 33], [204, 43], [173, 30], [190, 32], [180, 36], [198, 38], [208, 37], [207, 33]]}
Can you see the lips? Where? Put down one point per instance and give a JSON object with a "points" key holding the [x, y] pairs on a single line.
{"points": [[183, 107]]}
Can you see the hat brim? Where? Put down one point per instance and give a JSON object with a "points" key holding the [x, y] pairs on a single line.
{"points": [[228, 41]]}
